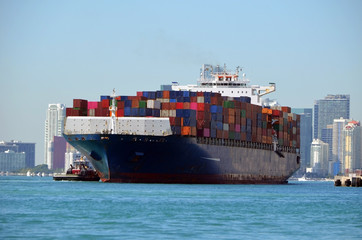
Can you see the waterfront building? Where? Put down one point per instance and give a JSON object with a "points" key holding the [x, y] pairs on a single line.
{"points": [[53, 127], [330, 108], [11, 161], [19, 147], [351, 152], [337, 143], [306, 130], [319, 158], [59, 153]]}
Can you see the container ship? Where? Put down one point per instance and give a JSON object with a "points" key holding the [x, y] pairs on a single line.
{"points": [[218, 131]]}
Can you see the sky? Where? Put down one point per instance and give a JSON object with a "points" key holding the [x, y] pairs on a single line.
{"points": [[57, 51]]}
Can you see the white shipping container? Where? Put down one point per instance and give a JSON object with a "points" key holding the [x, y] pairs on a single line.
{"points": [[172, 113], [200, 99], [154, 104]]}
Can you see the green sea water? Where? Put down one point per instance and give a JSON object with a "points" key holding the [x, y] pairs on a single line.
{"points": [[40, 208]]}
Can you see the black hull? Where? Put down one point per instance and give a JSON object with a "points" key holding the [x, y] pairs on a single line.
{"points": [[177, 159]]}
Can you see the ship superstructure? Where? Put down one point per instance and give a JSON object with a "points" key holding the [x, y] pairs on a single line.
{"points": [[218, 79]]}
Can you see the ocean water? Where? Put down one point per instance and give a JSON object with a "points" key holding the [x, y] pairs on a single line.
{"points": [[40, 208]]}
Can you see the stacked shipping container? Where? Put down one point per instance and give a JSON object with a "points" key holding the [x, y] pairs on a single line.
{"points": [[203, 114]]}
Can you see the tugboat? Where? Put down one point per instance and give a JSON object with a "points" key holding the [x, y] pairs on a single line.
{"points": [[81, 171]]}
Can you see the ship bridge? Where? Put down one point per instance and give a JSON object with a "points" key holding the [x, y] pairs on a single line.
{"points": [[227, 83]]}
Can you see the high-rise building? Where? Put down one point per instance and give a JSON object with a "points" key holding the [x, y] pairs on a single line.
{"points": [[19, 147], [351, 152], [319, 158], [53, 127], [327, 137], [337, 143], [327, 109], [306, 130], [59, 153], [11, 160]]}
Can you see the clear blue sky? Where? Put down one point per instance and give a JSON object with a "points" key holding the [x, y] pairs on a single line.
{"points": [[54, 51]]}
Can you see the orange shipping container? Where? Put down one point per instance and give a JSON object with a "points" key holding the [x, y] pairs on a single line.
{"points": [[135, 104], [166, 94], [185, 131], [172, 106], [286, 109]]}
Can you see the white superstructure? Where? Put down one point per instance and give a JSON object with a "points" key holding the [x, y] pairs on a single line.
{"points": [[227, 83], [149, 126]]}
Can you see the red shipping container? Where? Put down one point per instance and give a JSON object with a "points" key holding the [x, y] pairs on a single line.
{"points": [[206, 107], [199, 94], [200, 115], [193, 99], [201, 107], [178, 121], [243, 136], [219, 133], [105, 103], [120, 113], [139, 94], [165, 106], [200, 124], [68, 112], [172, 121], [225, 134], [120, 104], [180, 105], [275, 113]]}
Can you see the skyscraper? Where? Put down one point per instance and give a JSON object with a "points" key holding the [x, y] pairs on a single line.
{"points": [[327, 109], [53, 127], [351, 152], [337, 143], [327, 137], [319, 157], [306, 130]]}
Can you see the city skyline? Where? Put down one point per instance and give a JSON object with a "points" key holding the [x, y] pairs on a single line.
{"points": [[54, 52]]}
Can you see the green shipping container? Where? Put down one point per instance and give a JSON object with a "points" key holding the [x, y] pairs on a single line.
{"points": [[243, 112], [142, 104], [228, 104]]}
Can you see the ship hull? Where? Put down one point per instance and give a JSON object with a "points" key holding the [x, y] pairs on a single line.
{"points": [[178, 159]]}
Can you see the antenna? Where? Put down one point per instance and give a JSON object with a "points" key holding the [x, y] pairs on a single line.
{"points": [[113, 109]]}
